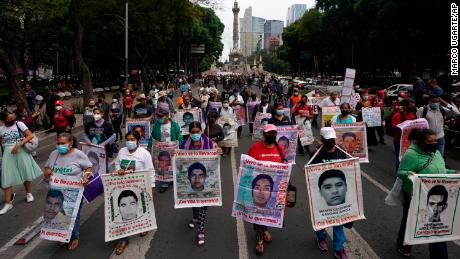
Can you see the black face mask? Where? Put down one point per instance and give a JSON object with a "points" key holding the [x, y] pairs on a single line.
{"points": [[329, 143], [211, 120], [345, 113], [264, 102], [9, 123], [302, 102], [429, 148], [270, 139]]}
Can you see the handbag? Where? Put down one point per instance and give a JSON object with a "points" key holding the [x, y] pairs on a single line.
{"points": [[291, 190], [30, 146], [395, 196]]}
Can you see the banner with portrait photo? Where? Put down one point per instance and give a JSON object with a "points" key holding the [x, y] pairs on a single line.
{"points": [[240, 114], [185, 117], [327, 113], [128, 204], [162, 155], [250, 106], [98, 157], [305, 132], [61, 207], [433, 209], [335, 193], [287, 138], [142, 126], [260, 121], [352, 138], [372, 116], [230, 128], [261, 191], [313, 103], [406, 128], [197, 178], [214, 105]]}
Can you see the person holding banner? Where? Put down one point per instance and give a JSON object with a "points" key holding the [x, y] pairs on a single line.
{"points": [[234, 100], [197, 141], [130, 159], [305, 112], [99, 132], [329, 152], [422, 157], [345, 115], [265, 150], [116, 116], [279, 118], [213, 130], [142, 110], [67, 160], [408, 113], [251, 105]]}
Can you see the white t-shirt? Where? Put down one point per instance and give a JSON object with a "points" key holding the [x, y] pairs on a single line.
{"points": [[139, 160], [328, 102], [10, 135], [204, 98], [228, 112]]}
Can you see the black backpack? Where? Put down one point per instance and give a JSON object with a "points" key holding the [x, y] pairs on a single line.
{"points": [[425, 111]]}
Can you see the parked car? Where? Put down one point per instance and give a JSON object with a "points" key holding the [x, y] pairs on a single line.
{"points": [[392, 92]]}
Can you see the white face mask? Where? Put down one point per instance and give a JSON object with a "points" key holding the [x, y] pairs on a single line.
{"points": [[114, 100], [225, 105], [58, 108], [97, 117]]}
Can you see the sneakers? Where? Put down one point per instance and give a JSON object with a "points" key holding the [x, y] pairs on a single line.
{"points": [[200, 239], [322, 244], [341, 254], [29, 197], [13, 195], [6, 208]]}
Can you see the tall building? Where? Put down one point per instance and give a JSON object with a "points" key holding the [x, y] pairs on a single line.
{"points": [[258, 30], [273, 30], [251, 30], [295, 12]]}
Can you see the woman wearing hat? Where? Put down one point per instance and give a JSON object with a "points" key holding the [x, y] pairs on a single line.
{"points": [[142, 110], [266, 150]]}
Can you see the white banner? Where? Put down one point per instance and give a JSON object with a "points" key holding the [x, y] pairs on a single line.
{"points": [[372, 116], [305, 132], [187, 116], [98, 158], [260, 121], [162, 155], [230, 128], [287, 138], [352, 138]]}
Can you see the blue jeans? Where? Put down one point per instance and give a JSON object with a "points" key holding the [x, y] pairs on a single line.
{"points": [[338, 239], [76, 227], [397, 148], [441, 144]]}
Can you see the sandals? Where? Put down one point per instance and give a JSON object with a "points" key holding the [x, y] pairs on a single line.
{"points": [[192, 223], [200, 239], [73, 244], [267, 237], [260, 247], [121, 247]]}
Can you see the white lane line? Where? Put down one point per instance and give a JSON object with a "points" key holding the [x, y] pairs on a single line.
{"points": [[241, 233], [19, 235]]}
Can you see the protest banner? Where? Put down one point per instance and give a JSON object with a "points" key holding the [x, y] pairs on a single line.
{"points": [[260, 121], [214, 105], [128, 204], [334, 206], [142, 126], [240, 114], [406, 128], [352, 138], [162, 155], [313, 103], [250, 106], [372, 116], [287, 137], [61, 207], [260, 192], [196, 178], [98, 158], [354, 100], [327, 113], [186, 116], [347, 89], [432, 215], [230, 128], [305, 132]]}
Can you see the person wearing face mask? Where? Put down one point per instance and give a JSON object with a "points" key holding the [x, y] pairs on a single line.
{"points": [[263, 107], [104, 106], [434, 113], [100, 132], [63, 119], [237, 100], [329, 152], [116, 116], [128, 101], [278, 118], [164, 130], [88, 113], [226, 110], [266, 150], [142, 110], [407, 113], [163, 101], [295, 99], [18, 166], [306, 113], [129, 159], [422, 157], [67, 160], [197, 141], [251, 105], [344, 116]]}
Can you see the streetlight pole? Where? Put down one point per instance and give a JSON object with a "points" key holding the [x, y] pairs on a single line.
{"points": [[126, 43]]}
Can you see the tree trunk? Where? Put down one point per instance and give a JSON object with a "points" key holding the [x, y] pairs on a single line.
{"points": [[10, 72], [84, 72]]}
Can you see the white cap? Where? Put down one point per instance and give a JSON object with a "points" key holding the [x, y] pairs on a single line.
{"points": [[39, 98], [328, 133]]}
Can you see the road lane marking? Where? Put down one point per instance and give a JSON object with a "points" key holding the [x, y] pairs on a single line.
{"points": [[241, 233], [19, 235]]}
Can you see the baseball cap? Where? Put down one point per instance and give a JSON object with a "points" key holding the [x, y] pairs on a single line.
{"points": [[141, 96], [328, 133], [270, 127], [59, 102]]}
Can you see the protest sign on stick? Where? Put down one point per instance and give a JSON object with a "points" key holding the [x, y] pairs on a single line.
{"points": [[372, 116]]}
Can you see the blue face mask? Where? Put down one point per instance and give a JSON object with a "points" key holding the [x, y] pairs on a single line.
{"points": [[131, 145], [161, 120], [434, 106], [279, 112], [62, 149], [196, 136]]}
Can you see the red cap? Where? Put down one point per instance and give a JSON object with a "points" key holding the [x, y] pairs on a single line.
{"points": [[59, 103]]}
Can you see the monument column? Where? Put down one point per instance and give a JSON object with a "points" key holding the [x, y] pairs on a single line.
{"points": [[236, 10]]}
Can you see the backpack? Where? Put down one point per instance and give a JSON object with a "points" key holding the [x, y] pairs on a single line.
{"points": [[425, 111]]}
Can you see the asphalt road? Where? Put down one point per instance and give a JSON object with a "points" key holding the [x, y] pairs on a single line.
{"points": [[226, 237]]}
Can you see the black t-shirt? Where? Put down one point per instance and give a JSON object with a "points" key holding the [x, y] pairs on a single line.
{"points": [[99, 134], [142, 111], [285, 121], [324, 157]]}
